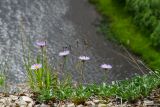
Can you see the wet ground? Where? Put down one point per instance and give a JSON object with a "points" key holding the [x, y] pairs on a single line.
{"points": [[63, 23]]}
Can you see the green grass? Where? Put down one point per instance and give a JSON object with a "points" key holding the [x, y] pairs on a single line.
{"points": [[124, 30], [128, 90], [2, 79]]}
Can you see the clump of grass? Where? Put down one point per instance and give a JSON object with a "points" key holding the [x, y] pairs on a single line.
{"points": [[137, 88], [3, 68], [80, 95], [3, 87], [128, 90], [38, 72], [2, 80]]}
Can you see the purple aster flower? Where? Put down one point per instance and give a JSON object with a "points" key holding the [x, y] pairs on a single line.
{"points": [[64, 53], [41, 43], [84, 58], [106, 66], [36, 66]]}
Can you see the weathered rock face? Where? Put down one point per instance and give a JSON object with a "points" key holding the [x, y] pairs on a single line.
{"points": [[32, 20]]}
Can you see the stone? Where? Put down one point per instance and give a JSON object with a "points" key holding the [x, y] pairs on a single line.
{"points": [[2, 100], [13, 97], [5, 100], [102, 105], [148, 103], [80, 105], [2, 105], [110, 104], [71, 105], [21, 103], [55, 104], [30, 105], [26, 99], [13, 105], [63, 105], [90, 103], [99, 101], [96, 101]]}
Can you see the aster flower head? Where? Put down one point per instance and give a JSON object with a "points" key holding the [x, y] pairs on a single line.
{"points": [[106, 66], [64, 53], [41, 43], [84, 58], [36, 66]]}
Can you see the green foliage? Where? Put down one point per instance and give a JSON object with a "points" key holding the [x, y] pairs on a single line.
{"points": [[45, 95], [146, 14], [155, 36], [130, 90], [63, 89], [2, 80], [138, 87], [80, 95], [106, 90], [144, 11], [3, 68], [121, 28]]}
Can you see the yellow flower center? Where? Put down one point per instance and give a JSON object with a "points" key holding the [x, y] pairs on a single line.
{"points": [[36, 66]]}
